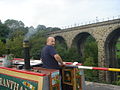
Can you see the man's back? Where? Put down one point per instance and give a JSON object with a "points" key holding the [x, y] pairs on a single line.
{"points": [[48, 59]]}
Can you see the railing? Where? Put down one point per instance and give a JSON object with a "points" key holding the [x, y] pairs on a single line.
{"points": [[99, 22], [91, 22]]}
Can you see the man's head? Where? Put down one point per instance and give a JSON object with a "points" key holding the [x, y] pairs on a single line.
{"points": [[51, 41]]}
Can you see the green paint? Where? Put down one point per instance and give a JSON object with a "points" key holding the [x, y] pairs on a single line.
{"points": [[13, 83]]}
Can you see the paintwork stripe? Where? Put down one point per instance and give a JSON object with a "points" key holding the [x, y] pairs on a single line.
{"points": [[99, 68], [85, 67], [114, 69], [22, 71]]}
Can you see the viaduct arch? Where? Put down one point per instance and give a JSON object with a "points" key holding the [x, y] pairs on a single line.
{"points": [[105, 34]]}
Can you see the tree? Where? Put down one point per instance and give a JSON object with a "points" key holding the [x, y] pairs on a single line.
{"points": [[16, 46], [4, 32], [2, 48], [91, 58], [52, 29], [0, 22], [18, 32], [55, 29], [14, 24], [41, 27], [68, 55], [37, 42], [91, 50]]}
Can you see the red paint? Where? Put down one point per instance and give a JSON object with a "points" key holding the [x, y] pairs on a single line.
{"points": [[22, 71], [18, 59], [68, 63], [99, 68], [79, 64]]}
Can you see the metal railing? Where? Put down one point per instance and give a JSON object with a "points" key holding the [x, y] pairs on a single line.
{"points": [[91, 22]]}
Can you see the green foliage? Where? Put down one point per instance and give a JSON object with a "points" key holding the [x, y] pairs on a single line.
{"points": [[90, 75], [117, 82], [18, 33], [91, 59], [2, 48], [118, 45], [37, 43], [4, 31], [16, 28], [41, 27], [68, 55], [118, 50], [14, 24], [91, 51], [15, 46]]}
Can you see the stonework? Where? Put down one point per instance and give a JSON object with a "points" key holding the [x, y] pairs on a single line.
{"points": [[100, 31]]}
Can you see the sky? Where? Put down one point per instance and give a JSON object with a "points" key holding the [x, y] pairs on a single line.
{"points": [[59, 13]]}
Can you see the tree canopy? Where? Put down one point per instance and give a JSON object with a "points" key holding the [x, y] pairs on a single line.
{"points": [[4, 32]]}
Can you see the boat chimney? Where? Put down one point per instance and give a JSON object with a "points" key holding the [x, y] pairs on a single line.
{"points": [[26, 55]]}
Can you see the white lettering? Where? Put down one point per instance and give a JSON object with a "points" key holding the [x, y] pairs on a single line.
{"points": [[12, 85], [4, 82], [8, 83], [16, 86], [0, 81]]}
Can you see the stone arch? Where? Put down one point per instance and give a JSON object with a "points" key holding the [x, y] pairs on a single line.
{"points": [[60, 39], [79, 41], [110, 52]]}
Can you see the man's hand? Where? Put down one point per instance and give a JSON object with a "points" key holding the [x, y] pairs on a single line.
{"points": [[62, 65]]}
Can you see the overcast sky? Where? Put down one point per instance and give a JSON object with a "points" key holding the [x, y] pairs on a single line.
{"points": [[58, 13]]}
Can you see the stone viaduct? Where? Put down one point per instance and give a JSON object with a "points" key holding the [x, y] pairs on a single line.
{"points": [[105, 33]]}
